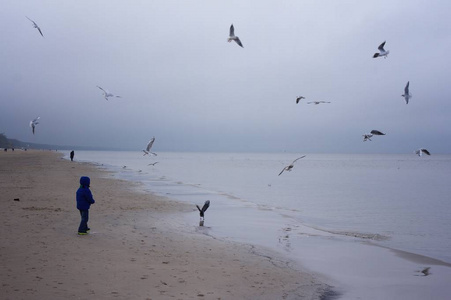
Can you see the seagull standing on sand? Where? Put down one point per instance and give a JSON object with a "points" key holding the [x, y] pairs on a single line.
{"points": [[290, 166], [317, 102], [382, 51], [299, 98], [407, 95], [149, 146], [232, 37], [35, 26], [33, 124], [420, 152], [425, 272], [202, 211], [107, 94]]}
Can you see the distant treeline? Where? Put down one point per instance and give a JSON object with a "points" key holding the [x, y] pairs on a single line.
{"points": [[5, 142]]}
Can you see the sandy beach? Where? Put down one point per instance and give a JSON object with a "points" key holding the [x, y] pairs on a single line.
{"points": [[133, 250]]}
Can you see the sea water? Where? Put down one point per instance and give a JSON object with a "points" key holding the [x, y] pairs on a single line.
{"points": [[394, 201]]}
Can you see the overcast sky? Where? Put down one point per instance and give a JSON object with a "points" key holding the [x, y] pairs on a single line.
{"points": [[182, 82]]}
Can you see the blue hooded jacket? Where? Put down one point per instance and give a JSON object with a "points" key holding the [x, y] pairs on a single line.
{"points": [[84, 195]]}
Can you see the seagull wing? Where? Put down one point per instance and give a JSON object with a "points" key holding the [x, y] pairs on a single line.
{"points": [[39, 29], [34, 23], [206, 206], [377, 132], [237, 40], [232, 31], [299, 98], [282, 171], [35, 26], [298, 159], [425, 151], [381, 47], [150, 144], [406, 89]]}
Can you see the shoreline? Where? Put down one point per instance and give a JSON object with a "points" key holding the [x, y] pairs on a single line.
{"points": [[133, 250], [377, 272]]}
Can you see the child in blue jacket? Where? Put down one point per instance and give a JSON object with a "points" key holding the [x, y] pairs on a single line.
{"points": [[84, 201]]}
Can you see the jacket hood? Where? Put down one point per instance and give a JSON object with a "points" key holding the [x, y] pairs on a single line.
{"points": [[85, 181]]}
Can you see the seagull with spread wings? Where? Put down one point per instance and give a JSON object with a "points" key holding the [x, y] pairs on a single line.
{"points": [[107, 94], [368, 136], [232, 37], [35, 26], [148, 147], [382, 51], [406, 94], [204, 208], [290, 166], [202, 211], [33, 124], [420, 152]]}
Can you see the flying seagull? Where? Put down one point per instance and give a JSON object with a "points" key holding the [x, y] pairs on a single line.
{"points": [[107, 94], [420, 152], [317, 102], [232, 36], [152, 164], [299, 98], [406, 95], [33, 123], [382, 51], [148, 147], [290, 166], [368, 136], [35, 26]]}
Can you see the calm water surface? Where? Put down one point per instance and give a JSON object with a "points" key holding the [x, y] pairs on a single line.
{"points": [[397, 201]]}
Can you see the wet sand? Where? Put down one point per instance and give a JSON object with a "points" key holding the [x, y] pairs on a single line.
{"points": [[133, 251]]}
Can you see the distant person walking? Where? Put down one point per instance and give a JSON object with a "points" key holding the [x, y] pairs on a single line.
{"points": [[84, 201], [72, 153]]}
